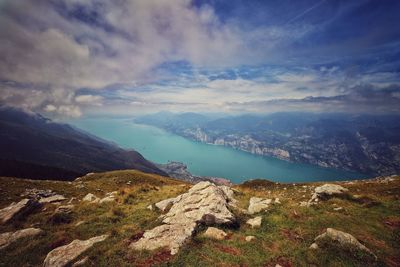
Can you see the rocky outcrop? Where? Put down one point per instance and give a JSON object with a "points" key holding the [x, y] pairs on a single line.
{"points": [[166, 204], [344, 240], [215, 233], [258, 204], [17, 209], [65, 255], [205, 203], [43, 196], [10, 237]]}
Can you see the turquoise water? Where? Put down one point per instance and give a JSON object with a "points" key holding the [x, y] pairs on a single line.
{"points": [[160, 146]]}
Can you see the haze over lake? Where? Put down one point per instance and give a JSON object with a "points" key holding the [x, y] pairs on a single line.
{"points": [[160, 146]]}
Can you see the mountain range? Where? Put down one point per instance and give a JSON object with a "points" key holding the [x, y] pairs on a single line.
{"points": [[368, 144], [33, 146]]}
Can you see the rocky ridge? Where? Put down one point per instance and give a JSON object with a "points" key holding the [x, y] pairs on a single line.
{"points": [[205, 203]]}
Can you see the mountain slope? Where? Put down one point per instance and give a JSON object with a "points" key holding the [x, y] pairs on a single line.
{"points": [[370, 212], [31, 143], [368, 144]]}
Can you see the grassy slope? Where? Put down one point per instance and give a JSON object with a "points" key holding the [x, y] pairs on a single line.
{"points": [[284, 237]]}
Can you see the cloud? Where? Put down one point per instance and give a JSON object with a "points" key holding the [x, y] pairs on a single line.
{"points": [[94, 100], [362, 99], [67, 57]]}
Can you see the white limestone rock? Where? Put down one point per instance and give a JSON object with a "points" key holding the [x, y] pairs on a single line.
{"points": [[10, 237], [345, 240], [258, 204], [215, 233], [250, 238], [64, 255], [205, 203], [17, 209], [91, 198], [328, 190], [255, 222], [166, 204], [52, 199]]}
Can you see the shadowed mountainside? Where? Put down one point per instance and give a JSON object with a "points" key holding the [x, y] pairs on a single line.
{"points": [[30, 144]]}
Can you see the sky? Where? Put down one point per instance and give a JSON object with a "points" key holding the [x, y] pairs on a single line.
{"points": [[71, 58]]}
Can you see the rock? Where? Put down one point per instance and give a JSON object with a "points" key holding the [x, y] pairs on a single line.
{"points": [[171, 236], [345, 240], [43, 196], [314, 246], [277, 201], [51, 199], [62, 214], [81, 262], [149, 207], [250, 238], [72, 200], [17, 209], [7, 238], [91, 198], [215, 233], [166, 204], [38, 193], [230, 195], [205, 203], [65, 209], [79, 223], [258, 204], [328, 190], [304, 204], [107, 199], [255, 222], [65, 255]]}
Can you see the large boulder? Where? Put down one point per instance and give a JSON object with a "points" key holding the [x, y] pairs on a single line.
{"points": [[65, 255], [10, 237], [258, 204], [344, 240], [205, 203], [17, 209]]}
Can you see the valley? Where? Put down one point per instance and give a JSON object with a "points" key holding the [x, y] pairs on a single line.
{"points": [[366, 144]]}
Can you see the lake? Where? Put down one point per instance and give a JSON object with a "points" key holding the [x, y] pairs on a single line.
{"points": [[160, 146]]}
